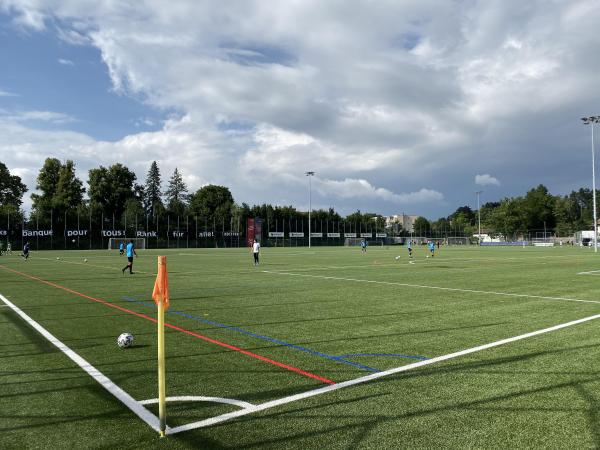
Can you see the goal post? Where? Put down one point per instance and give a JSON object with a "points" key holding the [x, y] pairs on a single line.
{"points": [[138, 243]]}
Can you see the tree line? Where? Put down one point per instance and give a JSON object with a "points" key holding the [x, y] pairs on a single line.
{"points": [[537, 211], [114, 193]]}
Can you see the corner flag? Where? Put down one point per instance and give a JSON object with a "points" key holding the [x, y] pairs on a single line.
{"points": [[160, 295], [161, 285]]}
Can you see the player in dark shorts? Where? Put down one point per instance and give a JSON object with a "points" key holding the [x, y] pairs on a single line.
{"points": [[130, 253], [25, 253]]}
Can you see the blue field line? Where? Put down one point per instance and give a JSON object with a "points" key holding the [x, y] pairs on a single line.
{"points": [[393, 355], [258, 336]]}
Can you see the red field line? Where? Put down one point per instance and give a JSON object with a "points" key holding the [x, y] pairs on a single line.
{"points": [[174, 327]]}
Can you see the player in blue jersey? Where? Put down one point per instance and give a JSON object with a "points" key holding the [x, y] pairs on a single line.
{"points": [[121, 249], [130, 254], [409, 247], [363, 246], [431, 246]]}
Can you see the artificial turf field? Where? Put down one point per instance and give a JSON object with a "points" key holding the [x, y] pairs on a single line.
{"points": [[307, 319]]}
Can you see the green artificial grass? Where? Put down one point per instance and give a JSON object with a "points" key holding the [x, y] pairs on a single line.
{"points": [[324, 303]]}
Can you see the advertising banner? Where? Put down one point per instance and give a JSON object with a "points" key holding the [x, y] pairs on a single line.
{"points": [[276, 234], [76, 233], [250, 232], [296, 234], [333, 235], [146, 234], [258, 229], [37, 233], [113, 233]]}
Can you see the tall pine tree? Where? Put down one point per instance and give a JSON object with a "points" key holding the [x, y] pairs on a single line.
{"points": [[176, 194], [152, 194]]}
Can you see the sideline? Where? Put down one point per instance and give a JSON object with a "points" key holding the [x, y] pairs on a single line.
{"points": [[440, 288]]}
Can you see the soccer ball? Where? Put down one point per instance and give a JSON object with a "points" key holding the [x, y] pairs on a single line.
{"points": [[57, 258], [397, 258], [427, 256], [125, 340], [73, 241], [84, 259]]}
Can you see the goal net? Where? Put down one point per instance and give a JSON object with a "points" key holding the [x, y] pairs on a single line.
{"points": [[138, 243], [542, 239], [355, 242], [352, 242], [458, 241]]}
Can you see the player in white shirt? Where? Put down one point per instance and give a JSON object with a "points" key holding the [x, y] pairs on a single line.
{"points": [[256, 251]]}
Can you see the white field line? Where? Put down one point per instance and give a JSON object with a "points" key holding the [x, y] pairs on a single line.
{"points": [[392, 283], [589, 272], [237, 255], [334, 387], [196, 398], [104, 381]]}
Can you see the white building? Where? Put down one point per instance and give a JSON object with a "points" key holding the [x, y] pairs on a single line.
{"points": [[404, 221]]}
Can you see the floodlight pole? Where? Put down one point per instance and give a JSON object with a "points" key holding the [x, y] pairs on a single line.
{"points": [[309, 175], [593, 120], [479, 215]]}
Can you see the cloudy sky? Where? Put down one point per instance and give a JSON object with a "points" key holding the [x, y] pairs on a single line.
{"points": [[398, 106]]}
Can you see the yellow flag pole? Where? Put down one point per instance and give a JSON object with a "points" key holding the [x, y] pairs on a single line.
{"points": [[160, 299], [161, 369]]}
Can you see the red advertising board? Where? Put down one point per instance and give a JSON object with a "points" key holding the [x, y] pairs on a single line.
{"points": [[250, 232]]}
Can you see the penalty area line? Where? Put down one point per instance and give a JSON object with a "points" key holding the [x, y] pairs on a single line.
{"points": [[315, 392], [439, 288], [135, 406]]}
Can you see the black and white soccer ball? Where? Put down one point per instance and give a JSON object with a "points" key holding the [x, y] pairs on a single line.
{"points": [[125, 340]]}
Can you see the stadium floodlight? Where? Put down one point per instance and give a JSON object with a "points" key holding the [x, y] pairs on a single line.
{"points": [[591, 121], [309, 174], [479, 214]]}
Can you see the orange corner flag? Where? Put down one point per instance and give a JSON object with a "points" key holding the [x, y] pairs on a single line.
{"points": [[161, 285]]}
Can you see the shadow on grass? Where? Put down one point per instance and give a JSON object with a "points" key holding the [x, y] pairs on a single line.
{"points": [[29, 333], [368, 421]]}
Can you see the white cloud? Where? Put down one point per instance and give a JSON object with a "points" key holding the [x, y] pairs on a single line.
{"points": [[6, 94], [359, 188], [65, 62], [402, 94], [38, 116], [486, 180]]}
